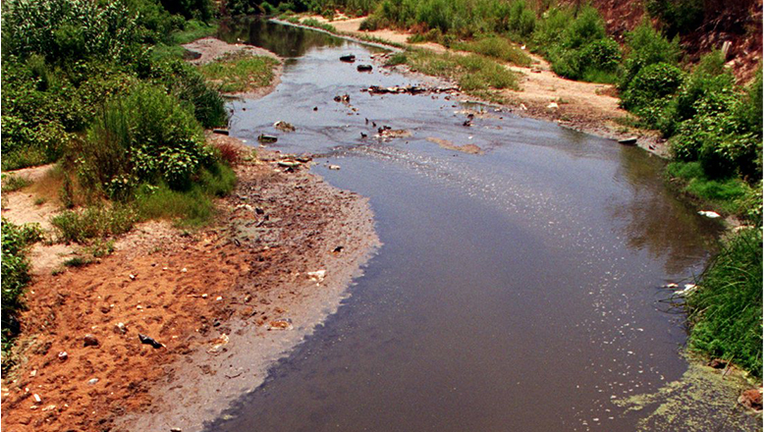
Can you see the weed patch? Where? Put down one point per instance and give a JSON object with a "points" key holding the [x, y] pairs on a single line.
{"points": [[242, 72]]}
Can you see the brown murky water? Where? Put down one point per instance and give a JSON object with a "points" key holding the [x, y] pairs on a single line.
{"points": [[516, 290]]}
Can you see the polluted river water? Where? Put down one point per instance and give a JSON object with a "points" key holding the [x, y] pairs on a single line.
{"points": [[520, 286]]}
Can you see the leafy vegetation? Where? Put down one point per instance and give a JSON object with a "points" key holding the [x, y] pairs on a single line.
{"points": [[15, 276]]}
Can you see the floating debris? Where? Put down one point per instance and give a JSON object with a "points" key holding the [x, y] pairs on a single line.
{"points": [[628, 141], [364, 68], [349, 58], [267, 139], [709, 214], [284, 126]]}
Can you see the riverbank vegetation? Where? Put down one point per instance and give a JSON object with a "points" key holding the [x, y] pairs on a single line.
{"points": [[103, 91]]}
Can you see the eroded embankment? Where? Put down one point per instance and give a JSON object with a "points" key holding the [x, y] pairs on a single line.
{"points": [[208, 297]]}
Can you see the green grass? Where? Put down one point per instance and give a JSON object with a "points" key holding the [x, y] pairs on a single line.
{"points": [[240, 72], [496, 47], [93, 222], [727, 195], [726, 311], [13, 183], [311, 22], [77, 262], [471, 72], [190, 208]]}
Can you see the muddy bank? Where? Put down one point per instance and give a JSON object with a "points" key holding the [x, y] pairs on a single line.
{"points": [[207, 297]]}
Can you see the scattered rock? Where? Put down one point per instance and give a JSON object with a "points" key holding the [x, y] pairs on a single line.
{"points": [[37, 398], [364, 68], [338, 249], [146, 340], [219, 343], [284, 126], [175, 429], [280, 324], [349, 58], [120, 328], [90, 340], [289, 164], [334, 167], [317, 276], [63, 356], [552, 105], [221, 131], [752, 398], [718, 363], [93, 381]]}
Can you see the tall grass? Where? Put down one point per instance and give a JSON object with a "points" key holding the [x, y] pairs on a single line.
{"points": [[472, 72], [496, 47], [726, 311]]}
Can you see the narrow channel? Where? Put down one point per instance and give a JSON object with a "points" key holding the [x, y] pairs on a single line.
{"points": [[517, 289]]}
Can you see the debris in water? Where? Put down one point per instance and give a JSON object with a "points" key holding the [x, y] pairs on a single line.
{"points": [[334, 167], [709, 214], [349, 58], [628, 141], [364, 68], [341, 98], [267, 139], [284, 126], [687, 290]]}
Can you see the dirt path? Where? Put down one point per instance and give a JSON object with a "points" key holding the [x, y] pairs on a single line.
{"points": [[589, 107]]}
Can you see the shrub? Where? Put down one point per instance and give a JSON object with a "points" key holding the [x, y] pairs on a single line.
{"points": [[496, 47], [678, 16], [67, 30], [147, 136], [653, 82], [647, 47], [15, 276]]}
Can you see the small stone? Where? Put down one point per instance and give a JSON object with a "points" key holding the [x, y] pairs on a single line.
{"points": [[90, 340], [93, 381], [120, 328], [63, 356], [334, 167], [37, 398], [184, 270], [718, 363], [204, 296], [175, 429], [49, 408], [33, 373], [219, 298], [752, 398]]}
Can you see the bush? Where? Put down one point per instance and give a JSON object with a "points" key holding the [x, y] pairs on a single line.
{"points": [[68, 30], [653, 82], [147, 136], [678, 16], [15, 276], [647, 47]]}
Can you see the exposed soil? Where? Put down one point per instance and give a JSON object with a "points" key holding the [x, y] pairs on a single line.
{"points": [[211, 49], [186, 291]]}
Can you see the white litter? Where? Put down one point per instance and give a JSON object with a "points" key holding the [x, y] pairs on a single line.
{"points": [[709, 214]]}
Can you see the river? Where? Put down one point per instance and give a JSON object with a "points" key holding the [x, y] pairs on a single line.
{"points": [[518, 289]]}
